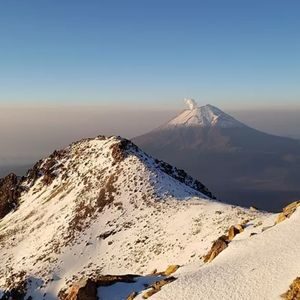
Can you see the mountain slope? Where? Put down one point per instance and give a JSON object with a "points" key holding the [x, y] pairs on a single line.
{"points": [[242, 165], [104, 206], [258, 264]]}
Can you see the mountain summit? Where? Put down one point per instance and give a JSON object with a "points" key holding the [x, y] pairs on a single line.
{"points": [[235, 160], [102, 206], [203, 116]]}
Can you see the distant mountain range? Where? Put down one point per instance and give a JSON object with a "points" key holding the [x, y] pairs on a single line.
{"points": [[240, 164]]}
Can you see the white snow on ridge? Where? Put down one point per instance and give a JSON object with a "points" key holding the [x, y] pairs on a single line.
{"points": [[61, 232], [260, 267]]}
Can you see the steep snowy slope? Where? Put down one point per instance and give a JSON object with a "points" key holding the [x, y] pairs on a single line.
{"points": [[254, 266], [103, 206]]}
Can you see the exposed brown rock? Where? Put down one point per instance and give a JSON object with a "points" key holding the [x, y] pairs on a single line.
{"points": [[156, 287], [118, 150], [159, 284], [287, 211], [106, 194], [234, 230], [149, 293], [253, 208], [170, 270], [85, 289], [294, 291], [218, 246], [50, 166], [106, 234], [132, 296], [34, 173], [10, 191], [46, 168]]}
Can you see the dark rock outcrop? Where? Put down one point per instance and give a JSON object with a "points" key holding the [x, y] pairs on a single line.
{"points": [[16, 287], [106, 280], [85, 289], [119, 150], [183, 177], [10, 191]]}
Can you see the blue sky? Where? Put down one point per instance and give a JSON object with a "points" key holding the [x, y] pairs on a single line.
{"points": [[233, 51]]}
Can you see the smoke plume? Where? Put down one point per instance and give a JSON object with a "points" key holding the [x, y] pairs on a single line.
{"points": [[192, 104]]}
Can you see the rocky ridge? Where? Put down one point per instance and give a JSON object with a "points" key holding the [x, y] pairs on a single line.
{"points": [[103, 206]]}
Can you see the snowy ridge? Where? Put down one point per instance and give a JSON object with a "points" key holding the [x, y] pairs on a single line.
{"points": [[204, 116], [104, 206], [260, 263]]}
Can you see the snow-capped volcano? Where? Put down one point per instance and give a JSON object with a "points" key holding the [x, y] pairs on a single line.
{"points": [[203, 116], [237, 161]]}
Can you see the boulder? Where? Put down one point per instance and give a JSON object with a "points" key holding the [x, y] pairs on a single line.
{"points": [[132, 296], [234, 230], [294, 291], [217, 247], [156, 287], [84, 289], [287, 212], [149, 293], [170, 270]]}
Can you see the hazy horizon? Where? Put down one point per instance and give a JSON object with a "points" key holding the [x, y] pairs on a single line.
{"points": [[73, 69], [36, 131]]}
